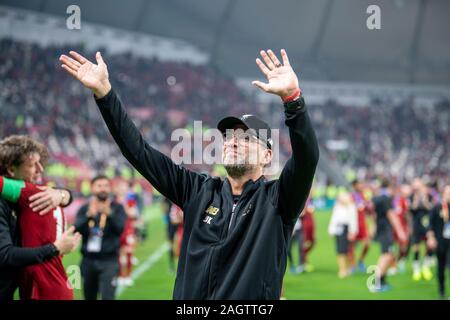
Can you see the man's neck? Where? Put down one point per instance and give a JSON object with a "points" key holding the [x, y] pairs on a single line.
{"points": [[237, 184]]}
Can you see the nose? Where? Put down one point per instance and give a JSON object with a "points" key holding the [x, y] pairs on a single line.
{"points": [[230, 141]]}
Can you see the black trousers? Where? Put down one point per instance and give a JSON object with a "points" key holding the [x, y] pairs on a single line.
{"points": [[342, 242], [443, 257], [99, 276]]}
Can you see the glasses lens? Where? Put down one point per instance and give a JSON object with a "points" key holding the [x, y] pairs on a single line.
{"points": [[242, 138]]}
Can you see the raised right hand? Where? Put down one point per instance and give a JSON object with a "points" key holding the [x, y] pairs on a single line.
{"points": [[281, 78], [92, 76]]}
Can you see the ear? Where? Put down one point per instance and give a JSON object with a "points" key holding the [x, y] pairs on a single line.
{"points": [[11, 172], [267, 157]]}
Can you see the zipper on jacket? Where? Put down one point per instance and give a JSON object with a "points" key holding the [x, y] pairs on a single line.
{"points": [[234, 211], [232, 214]]}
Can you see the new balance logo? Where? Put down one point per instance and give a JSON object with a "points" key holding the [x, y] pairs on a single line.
{"points": [[212, 210]]}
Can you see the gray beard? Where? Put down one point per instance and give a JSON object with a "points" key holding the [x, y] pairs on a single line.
{"points": [[238, 170]]}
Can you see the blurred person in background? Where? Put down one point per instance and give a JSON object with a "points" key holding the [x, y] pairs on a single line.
{"points": [[100, 222], [138, 195], [387, 222], [362, 236], [344, 226], [171, 230], [433, 190], [128, 241], [401, 209], [309, 235], [438, 238], [421, 203], [296, 242]]}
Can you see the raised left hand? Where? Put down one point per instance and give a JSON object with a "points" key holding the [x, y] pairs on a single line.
{"points": [[45, 200], [282, 79]]}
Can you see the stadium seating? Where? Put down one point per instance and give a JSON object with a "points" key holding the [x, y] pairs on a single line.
{"points": [[403, 139]]}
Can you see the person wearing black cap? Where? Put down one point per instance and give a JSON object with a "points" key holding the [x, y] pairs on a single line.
{"points": [[236, 230]]}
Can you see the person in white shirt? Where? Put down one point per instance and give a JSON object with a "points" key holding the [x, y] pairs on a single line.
{"points": [[344, 226]]}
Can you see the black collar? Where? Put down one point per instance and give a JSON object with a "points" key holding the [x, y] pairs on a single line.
{"points": [[249, 186]]}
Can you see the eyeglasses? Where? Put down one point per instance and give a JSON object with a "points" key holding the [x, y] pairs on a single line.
{"points": [[242, 138]]}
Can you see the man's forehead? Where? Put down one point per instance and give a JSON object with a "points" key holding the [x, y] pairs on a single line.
{"points": [[32, 157], [240, 126], [102, 182]]}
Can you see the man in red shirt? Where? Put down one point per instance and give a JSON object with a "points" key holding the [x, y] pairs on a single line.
{"points": [[128, 239], [23, 158], [309, 234], [47, 280], [401, 208], [363, 207]]}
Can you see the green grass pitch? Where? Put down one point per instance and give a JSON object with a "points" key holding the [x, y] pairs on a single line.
{"points": [[156, 282]]}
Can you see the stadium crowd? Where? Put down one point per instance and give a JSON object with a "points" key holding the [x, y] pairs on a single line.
{"points": [[38, 100], [403, 140]]}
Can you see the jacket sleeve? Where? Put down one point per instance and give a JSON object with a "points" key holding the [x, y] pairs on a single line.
{"points": [[117, 219], [173, 181], [293, 187], [434, 214], [81, 221], [13, 256]]}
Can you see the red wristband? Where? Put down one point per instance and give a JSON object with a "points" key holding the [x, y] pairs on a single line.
{"points": [[292, 96]]}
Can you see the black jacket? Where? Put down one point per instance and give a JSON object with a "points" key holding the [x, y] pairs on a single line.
{"points": [[12, 256], [436, 225], [114, 226], [249, 260]]}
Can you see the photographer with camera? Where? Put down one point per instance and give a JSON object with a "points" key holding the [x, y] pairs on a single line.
{"points": [[100, 223]]}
